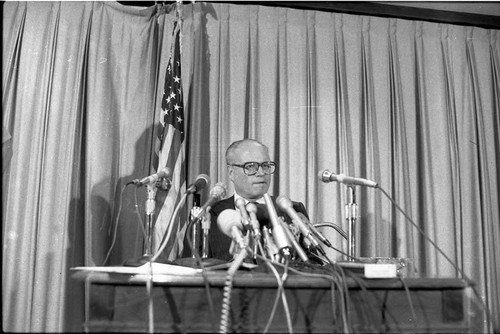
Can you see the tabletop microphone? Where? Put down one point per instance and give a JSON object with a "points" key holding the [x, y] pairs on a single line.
{"points": [[200, 183], [285, 204], [302, 254], [229, 222], [164, 173], [319, 235], [279, 235], [327, 176], [262, 215], [217, 193], [245, 220], [252, 212]]}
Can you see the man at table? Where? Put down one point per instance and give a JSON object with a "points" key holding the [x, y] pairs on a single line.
{"points": [[249, 167]]}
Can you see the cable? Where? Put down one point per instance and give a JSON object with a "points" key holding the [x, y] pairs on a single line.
{"points": [[464, 276], [414, 315], [116, 227], [334, 248], [141, 222], [164, 240], [334, 226], [365, 291], [206, 282], [338, 275], [284, 300], [333, 299], [280, 293], [276, 300], [226, 300], [343, 294], [335, 278], [226, 304], [423, 234], [198, 258], [149, 288]]}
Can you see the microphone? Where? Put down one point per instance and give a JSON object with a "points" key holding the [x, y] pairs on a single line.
{"points": [[285, 204], [295, 244], [269, 244], [217, 193], [229, 222], [240, 205], [164, 173], [253, 225], [327, 176], [201, 182], [279, 234], [319, 235], [262, 215], [252, 211]]}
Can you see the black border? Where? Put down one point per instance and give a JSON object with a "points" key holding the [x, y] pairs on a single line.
{"points": [[368, 8]]}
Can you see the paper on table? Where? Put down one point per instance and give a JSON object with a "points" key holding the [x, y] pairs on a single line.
{"points": [[158, 268]]}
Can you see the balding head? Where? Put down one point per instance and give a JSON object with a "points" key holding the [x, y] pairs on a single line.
{"points": [[243, 151]]}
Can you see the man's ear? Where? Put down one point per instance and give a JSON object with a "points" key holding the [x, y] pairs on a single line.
{"points": [[230, 172]]}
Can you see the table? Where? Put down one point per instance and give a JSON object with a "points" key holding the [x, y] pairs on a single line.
{"points": [[120, 302]]}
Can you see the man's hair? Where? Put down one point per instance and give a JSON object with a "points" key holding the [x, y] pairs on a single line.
{"points": [[237, 144]]}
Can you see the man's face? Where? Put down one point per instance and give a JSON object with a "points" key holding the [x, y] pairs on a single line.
{"points": [[254, 186]]}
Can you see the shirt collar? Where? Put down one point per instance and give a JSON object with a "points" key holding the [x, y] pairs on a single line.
{"points": [[259, 200]]}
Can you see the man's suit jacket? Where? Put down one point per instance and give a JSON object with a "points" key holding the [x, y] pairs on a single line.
{"points": [[219, 243]]}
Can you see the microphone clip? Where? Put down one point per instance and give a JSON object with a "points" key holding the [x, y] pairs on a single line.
{"points": [[163, 184]]}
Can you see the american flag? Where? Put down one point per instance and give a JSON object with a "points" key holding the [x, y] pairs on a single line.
{"points": [[170, 153]]}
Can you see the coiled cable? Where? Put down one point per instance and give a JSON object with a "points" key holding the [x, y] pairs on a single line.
{"points": [[226, 299]]}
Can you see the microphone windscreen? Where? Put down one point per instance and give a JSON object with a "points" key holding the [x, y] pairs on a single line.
{"points": [[263, 215], [218, 191], [165, 173], [201, 182], [284, 203], [227, 219], [324, 175]]}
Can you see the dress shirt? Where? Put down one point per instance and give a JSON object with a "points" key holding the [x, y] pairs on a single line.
{"points": [[260, 200]]}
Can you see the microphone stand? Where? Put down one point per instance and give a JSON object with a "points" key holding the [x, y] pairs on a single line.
{"points": [[351, 211], [198, 226], [150, 210], [147, 249], [205, 228], [195, 225]]}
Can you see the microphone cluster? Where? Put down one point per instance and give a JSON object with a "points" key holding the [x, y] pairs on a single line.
{"points": [[244, 223], [201, 182]]}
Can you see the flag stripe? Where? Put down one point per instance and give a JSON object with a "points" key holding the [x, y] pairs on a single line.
{"points": [[172, 198], [169, 139]]}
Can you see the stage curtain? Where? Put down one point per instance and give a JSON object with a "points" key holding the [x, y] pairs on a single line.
{"points": [[412, 105], [79, 103]]}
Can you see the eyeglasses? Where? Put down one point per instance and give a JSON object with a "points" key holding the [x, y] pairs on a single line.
{"points": [[252, 167]]}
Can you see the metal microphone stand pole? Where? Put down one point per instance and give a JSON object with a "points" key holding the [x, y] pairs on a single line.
{"points": [[205, 227], [150, 210], [351, 211], [195, 225]]}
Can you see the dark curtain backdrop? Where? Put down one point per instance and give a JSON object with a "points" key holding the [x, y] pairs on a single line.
{"points": [[412, 105]]}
